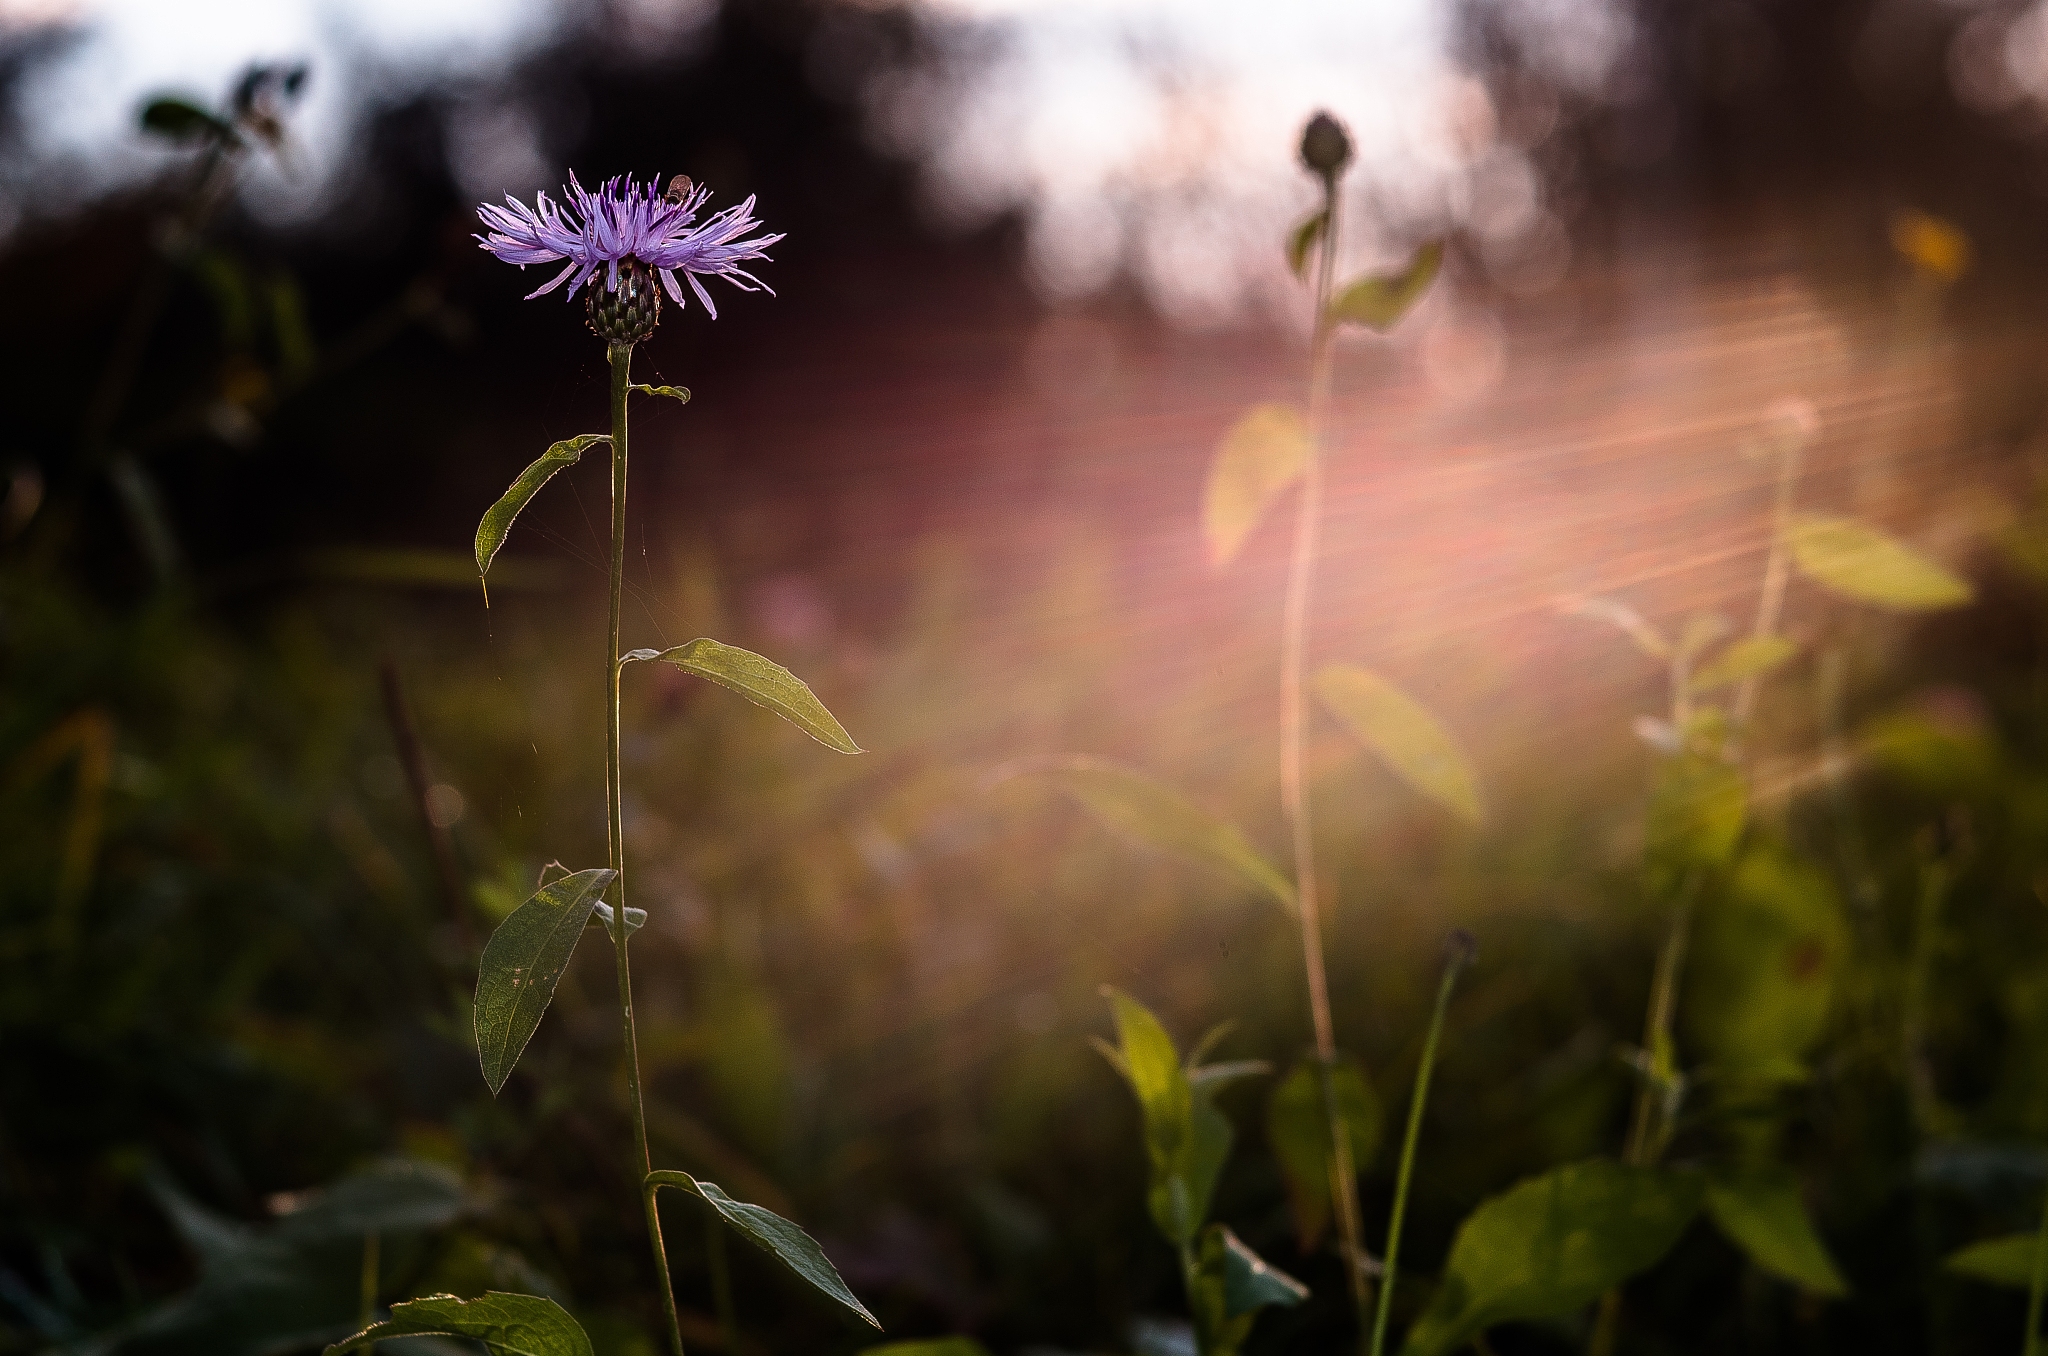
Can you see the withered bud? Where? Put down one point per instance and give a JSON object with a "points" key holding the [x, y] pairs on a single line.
{"points": [[1324, 146]]}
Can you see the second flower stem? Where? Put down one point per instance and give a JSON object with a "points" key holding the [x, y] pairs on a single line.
{"points": [[615, 833]]}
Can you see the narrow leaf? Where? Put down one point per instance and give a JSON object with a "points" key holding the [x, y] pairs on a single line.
{"points": [[1745, 658], [1303, 239], [1379, 302], [1298, 1129], [1858, 561], [1998, 1261], [497, 521], [1622, 617], [1552, 1245], [677, 393], [1249, 1282], [523, 962], [1407, 738], [1213, 1078], [790, 1245], [509, 1325], [761, 681], [1131, 803], [1763, 1215], [183, 120], [1262, 455]]}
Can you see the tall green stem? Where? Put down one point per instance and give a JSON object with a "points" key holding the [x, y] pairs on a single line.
{"points": [[2035, 1290], [1409, 1140], [1294, 797], [622, 365]]}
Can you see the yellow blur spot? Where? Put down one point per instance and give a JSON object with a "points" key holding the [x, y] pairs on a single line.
{"points": [[1932, 245]]}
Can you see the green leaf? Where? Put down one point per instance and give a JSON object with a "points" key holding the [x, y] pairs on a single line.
{"points": [[1298, 1129], [509, 1325], [1249, 1283], [1763, 963], [1858, 561], [1696, 813], [1263, 454], [523, 962], [183, 120], [1551, 1245], [1407, 738], [931, 1346], [1998, 1261], [1762, 1214], [790, 1245], [1186, 1138], [1742, 659], [761, 681], [1156, 815], [1379, 302], [391, 1196], [677, 393], [497, 521], [1303, 239]]}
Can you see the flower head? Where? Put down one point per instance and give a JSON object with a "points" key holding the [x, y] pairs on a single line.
{"points": [[624, 222]]}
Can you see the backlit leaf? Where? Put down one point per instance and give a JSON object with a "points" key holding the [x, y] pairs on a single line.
{"points": [[1998, 1261], [1697, 810], [1131, 803], [1623, 618], [1250, 1283], [1407, 738], [523, 962], [789, 1245], [1860, 562], [1765, 955], [1762, 1214], [1742, 659], [758, 679], [1186, 1138], [1261, 456], [497, 520], [1298, 1129], [1302, 240], [676, 393], [508, 1325], [1379, 302], [1552, 1245]]}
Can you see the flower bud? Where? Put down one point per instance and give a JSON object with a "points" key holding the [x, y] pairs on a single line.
{"points": [[1461, 948], [628, 313], [1324, 146]]}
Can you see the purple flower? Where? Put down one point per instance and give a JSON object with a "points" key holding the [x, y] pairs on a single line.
{"points": [[627, 220]]}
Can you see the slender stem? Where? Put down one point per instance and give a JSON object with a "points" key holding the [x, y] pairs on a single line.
{"points": [[1408, 1143], [1294, 797], [372, 1270], [622, 364], [1777, 570], [2032, 1345], [721, 1284]]}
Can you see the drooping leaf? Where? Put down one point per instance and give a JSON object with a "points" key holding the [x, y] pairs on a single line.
{"points": [[1763, 963], [497, 520], [183, 120], [1302, 240], [1551, 1245], [508, 1325], [1762, 1214], [932, 1346], [1742, 659], [1998, 1261], [1407, 738], [761, 681], [676, 393], [1857, 561], [1623, 618], [1298, 1129], [1378, 302], [1250, 1283], [523, 962], [1257, 461], [1131, 803], [788, 1244]]}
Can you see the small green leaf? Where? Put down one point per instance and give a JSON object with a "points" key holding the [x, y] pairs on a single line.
{"points": [[1998, 1261], [497, 521], [1303, 239], [1408, 739], [761, 681], [1762, 1214], [1379, 302], [1624, 618], [523, 962], [509, 1325], [790, 1245], [1551, 1245], [1186, 1137], [183, 120], [1298, 1129], [1249, 1282], [1131, 803], [1858, 561], [1765, 954], [1263, 454], [1697, 810], [677, 393], [1745, 658], [930, 1346]]}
